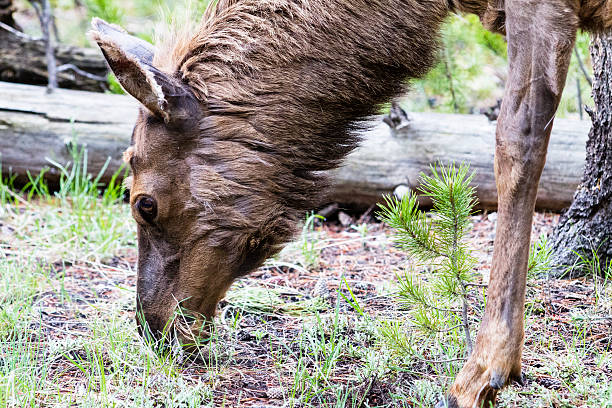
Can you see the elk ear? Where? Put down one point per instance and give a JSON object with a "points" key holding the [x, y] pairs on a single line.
{"points": [[131, 60]]}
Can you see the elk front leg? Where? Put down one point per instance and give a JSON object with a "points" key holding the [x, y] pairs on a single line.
{"points": [[541, 35]]}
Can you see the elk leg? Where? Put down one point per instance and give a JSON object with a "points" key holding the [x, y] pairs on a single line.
{"points": [[540, 40]]}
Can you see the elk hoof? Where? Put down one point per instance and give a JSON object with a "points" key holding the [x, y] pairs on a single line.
{"points": [[479, 382], [498, 381], [521, 380]]}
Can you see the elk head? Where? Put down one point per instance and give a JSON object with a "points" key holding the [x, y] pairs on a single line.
{"points": [[204, 217]]}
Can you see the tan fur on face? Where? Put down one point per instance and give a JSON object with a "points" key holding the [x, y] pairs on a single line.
{"points": [[274, 120]]}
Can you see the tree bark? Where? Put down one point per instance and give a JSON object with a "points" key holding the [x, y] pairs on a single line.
{"points": [[587, 225], [23, 60], [35, 126]]}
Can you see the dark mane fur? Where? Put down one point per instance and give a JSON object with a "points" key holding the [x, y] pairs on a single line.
{"points": [[285, 84]]}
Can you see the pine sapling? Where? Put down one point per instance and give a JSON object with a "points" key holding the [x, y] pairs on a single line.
{"points": [[436, 241]]}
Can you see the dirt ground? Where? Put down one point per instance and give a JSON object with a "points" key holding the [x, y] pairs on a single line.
{"points": [[253, 375]]}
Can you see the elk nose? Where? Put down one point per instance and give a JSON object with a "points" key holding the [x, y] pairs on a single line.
{"points": [[152, 329]]}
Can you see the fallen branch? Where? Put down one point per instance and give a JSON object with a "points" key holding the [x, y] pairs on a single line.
{"points": [[43, 11], [74, 68], [26, 59]]}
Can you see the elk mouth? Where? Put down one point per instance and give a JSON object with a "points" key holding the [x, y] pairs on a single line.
{"points": [[185, 330], [166, 313]]}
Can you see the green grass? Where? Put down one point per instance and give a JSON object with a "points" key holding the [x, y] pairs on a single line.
{"points": [[81, 221], [68, 336], [67, 291]]}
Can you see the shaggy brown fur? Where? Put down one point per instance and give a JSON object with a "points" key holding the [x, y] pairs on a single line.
{"points": [[243, 117], [595, 15], [276, 118], [284, 97]]}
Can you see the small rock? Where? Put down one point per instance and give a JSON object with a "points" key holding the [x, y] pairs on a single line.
{"points": [[345, 219], [276, 392], [492, 217], [401, 191]]}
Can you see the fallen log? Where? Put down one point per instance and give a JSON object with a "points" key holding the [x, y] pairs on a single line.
{"points": [[388, 159], [35, 126], [23, 60]]}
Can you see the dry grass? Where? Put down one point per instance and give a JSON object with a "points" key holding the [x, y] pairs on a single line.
{"points": [[295, 333]]}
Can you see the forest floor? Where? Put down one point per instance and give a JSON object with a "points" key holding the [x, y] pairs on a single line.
{"points": [[320, 325]]}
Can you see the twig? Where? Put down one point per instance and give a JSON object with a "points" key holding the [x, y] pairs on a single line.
{"points": [[449, 329], [466, 321], [464, 289], [79, 71], [582, 67], [579, 98], [349, 241], [272, 264], [452, 360], [17, 32], [594, 318], [16, 196], [449, 76], [54, 27], [71, 333], [477, 285], [43, 10]]}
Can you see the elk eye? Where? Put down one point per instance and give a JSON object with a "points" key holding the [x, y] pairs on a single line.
{"points": [[147, 208]]}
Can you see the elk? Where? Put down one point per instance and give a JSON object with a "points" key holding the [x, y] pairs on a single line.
{"points": [[241, 118]]}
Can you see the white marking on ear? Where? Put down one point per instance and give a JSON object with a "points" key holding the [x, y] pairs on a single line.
{"points": [[158, 90], [131, 59]]}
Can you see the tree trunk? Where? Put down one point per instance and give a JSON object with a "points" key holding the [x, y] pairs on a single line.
{"points": [[587, 225]]}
